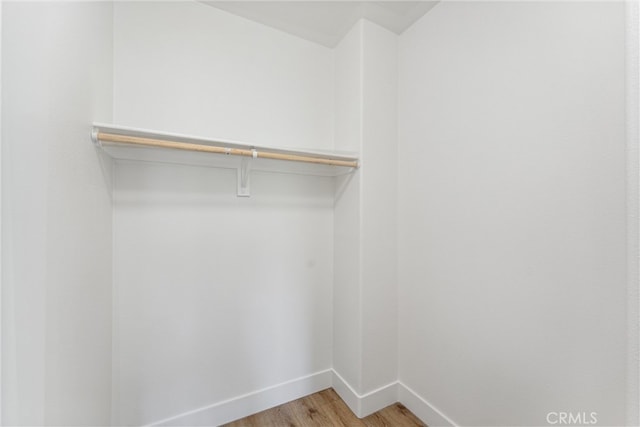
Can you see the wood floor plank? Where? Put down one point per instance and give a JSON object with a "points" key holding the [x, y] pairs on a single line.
{"points": [[307, 412], [393, 415], [322, 397], [326, 409], [340, 415], [275, 417]]}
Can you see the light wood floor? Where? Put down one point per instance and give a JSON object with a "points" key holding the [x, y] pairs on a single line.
{"points": [[326, 409]]}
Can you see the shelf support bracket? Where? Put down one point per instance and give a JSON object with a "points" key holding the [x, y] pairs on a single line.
{"points": [[244, 175]]}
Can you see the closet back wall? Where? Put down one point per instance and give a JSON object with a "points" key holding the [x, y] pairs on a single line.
{"points": [[217, 296]]}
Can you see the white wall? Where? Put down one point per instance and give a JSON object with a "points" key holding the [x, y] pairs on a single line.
{"points": [[365, 289], [512, 211], [217, 296], [378, 192], [191, 68], [56, 79], [347, 307], [632, 88], [1, 318]]}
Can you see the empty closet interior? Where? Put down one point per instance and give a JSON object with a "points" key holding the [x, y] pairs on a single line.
{"points": [[212, 208]]}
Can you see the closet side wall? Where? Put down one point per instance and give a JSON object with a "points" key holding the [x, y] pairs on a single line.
{"points": [[56, 295], [379, 220], [365, 289], [347, 294], [512, 211], [219, 296]]}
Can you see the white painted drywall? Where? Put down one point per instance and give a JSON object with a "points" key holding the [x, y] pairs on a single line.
{"points": [[217, 296], [379, 220], [187, 67], [56, 79], [632, 87], [1, 327], [347, 308], [512, 210], [365, 289]]}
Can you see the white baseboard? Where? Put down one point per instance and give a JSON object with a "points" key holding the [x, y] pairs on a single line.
{"points": [[346, 392], [428, 413], [251, 403], [368, 403], [361, 405], [377, 399]]}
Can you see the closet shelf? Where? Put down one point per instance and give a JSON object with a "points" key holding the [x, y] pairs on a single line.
{"points": [[146, 145]]}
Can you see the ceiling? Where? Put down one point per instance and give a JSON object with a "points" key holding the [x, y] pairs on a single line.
{"points": [[326, 22]]}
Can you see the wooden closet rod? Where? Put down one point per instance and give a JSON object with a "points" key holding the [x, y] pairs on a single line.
{"points": [[150, 142]]}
